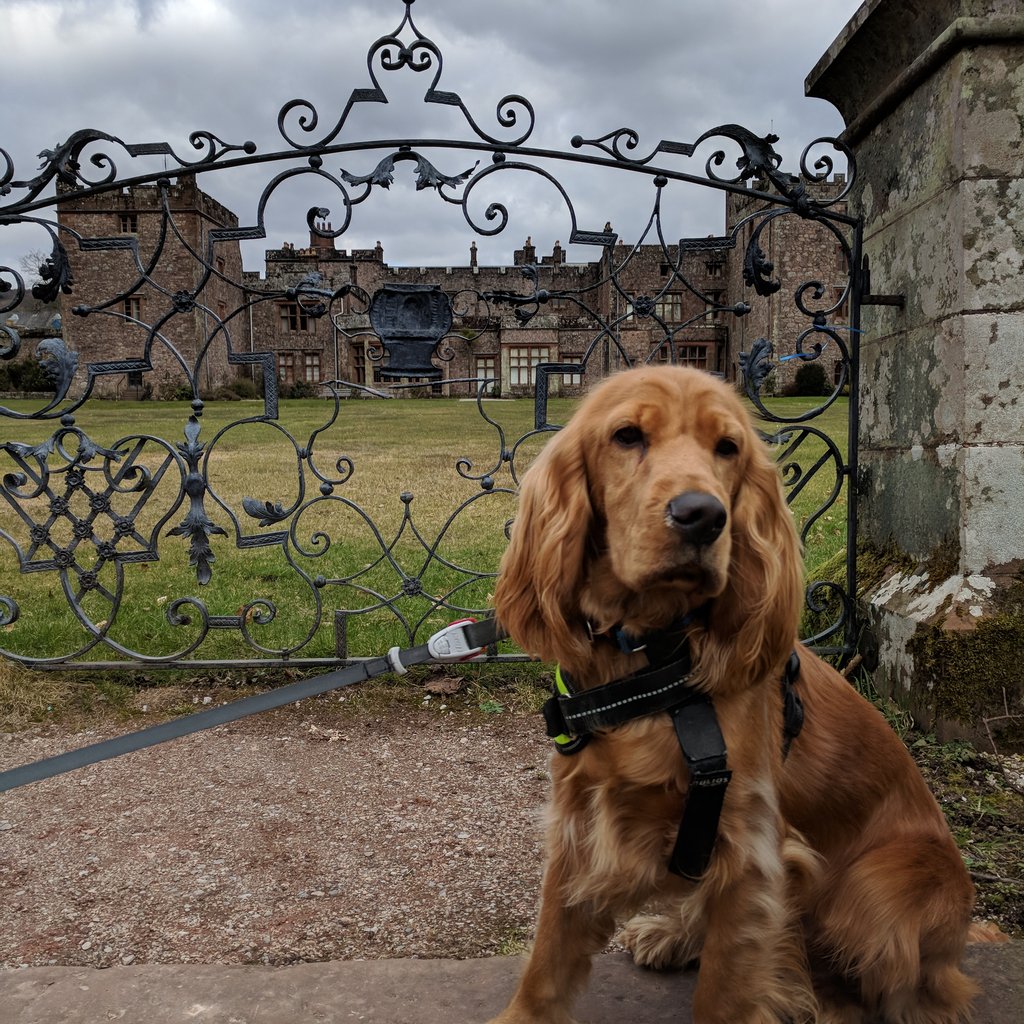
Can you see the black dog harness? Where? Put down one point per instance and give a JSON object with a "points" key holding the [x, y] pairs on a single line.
{"points": [[666, 687]]}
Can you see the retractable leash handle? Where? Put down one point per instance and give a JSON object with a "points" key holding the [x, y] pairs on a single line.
{"points": [[465, 640], [451, 645]]}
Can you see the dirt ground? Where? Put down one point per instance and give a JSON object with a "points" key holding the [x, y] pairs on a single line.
{"points": [[388, 823]]}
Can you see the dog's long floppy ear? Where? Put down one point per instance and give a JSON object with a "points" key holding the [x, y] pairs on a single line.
{"points": [[538, 585], [754, 623]]}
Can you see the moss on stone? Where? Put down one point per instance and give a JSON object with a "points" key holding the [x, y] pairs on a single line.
{"points": [[874, 565], [976, 673], [943, 562]]}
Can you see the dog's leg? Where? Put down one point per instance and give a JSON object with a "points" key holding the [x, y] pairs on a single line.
{"points": [[752, 967], [897, 920], [753, 961], [568, 935], [661, 942]]}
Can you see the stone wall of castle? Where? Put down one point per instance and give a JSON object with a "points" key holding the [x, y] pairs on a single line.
{"points": [[627, 304], [180, 309], [575, 301]]}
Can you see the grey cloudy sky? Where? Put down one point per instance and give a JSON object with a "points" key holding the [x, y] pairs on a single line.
{"points": [[155, 70]]}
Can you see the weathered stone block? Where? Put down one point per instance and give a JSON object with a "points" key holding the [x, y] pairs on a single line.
{"points": [[951, 648], [994, 385], [933, 95], [993, 243], [993, 506], [913, 502]]}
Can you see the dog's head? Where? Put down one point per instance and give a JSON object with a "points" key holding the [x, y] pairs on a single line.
{"points": [[657, 498]]}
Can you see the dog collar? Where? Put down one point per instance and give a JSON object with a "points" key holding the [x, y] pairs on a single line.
{"points": [[572, 716]]}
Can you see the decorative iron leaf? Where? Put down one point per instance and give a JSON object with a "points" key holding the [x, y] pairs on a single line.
{"points": [[59, 364], [756, 365], [56, 275], [266, 512], [757, 269], [383, 174], [428, 176]]}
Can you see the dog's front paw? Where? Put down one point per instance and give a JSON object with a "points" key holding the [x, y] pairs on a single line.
{"points": [[658, 942]]}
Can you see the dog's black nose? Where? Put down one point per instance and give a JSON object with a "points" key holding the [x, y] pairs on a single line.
{"points": [[699, 517]]}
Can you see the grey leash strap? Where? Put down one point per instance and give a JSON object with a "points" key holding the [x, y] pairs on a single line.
{"points": [[206, 719], [454, 643]]}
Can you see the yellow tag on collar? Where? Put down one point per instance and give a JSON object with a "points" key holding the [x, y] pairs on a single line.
{"points": [[560, 682], [563, 690]]}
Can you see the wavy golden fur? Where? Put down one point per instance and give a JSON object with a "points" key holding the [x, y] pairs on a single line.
{"points": [[835, 892]]}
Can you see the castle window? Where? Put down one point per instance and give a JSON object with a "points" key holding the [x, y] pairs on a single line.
{"points": [[129, 223], [693, 355], [311, 363], [711, 310], [358, 364], [714, 267], [293, 317], [486, 368], [572, 378], [522, 363], [132, 306], [286, 367], [670, 307]]}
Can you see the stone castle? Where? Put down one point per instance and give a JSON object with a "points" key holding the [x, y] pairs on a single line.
{"points": [[677, 303]]}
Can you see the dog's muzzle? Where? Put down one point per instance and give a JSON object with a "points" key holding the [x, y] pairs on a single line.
{"points": [[698, 517]]}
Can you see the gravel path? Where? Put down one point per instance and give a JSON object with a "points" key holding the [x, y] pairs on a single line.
{"points": [[298, 835], [396, 826]]}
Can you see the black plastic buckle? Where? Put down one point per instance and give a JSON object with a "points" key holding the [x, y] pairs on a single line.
{"points": [[554, 720], [792, 705], [557, 730]]}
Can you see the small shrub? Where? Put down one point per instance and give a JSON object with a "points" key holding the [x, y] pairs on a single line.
{"points": [[299, 389], [810, 379], [172, 389], [27, 375], [245, 387]]}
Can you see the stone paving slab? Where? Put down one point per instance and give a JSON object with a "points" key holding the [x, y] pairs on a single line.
{"points": [[391, 992]]}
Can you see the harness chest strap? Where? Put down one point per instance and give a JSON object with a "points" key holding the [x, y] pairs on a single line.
{"points": [[702, 744], [571, 717]]}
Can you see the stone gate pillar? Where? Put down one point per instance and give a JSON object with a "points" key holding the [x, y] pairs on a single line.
{"points": [[932, 93]]}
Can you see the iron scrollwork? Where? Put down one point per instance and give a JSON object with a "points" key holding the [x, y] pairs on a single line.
{"points": [[91, 515]]}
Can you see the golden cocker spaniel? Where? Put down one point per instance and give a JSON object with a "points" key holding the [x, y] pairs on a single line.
{"points": [[835, 892]]}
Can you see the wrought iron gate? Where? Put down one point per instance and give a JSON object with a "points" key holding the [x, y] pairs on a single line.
{"points": [[154, 303]]}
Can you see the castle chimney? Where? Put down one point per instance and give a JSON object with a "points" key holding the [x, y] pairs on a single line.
{"points": [[557, 254], [472, 254], [529, 251], [317, 241]]}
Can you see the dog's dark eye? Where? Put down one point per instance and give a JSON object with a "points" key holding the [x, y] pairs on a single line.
{"points": [[628, 437], [727, 448]]}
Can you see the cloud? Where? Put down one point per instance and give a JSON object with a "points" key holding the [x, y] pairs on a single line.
{"points": [[156, 70]]}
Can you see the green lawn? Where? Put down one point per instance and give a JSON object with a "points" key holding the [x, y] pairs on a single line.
{"points": [[353, 543]]}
